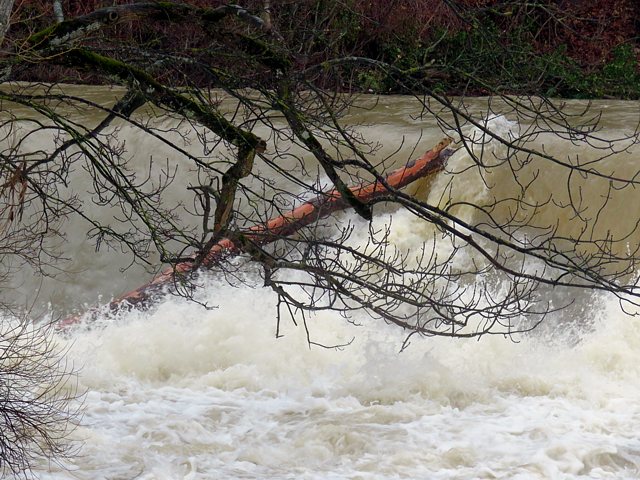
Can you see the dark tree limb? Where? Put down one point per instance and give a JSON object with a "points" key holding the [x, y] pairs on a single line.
{"points": [[311, 142], [159, 94]]}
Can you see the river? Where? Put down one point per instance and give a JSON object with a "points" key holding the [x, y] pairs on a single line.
{"points": [[185, 392]]}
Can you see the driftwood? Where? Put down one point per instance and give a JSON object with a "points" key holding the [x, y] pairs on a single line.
{"points": [[287, 224]]}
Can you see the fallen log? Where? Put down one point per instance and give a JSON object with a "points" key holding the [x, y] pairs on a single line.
{"points": [[284, 225]]}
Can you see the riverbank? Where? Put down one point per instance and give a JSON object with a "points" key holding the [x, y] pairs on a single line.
{"points": [[469, 47]]}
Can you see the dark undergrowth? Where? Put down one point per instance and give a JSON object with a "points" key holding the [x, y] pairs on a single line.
{"points": [[571, 49]]}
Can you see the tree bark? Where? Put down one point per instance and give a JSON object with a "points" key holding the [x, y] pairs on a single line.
{"points": [[266, 15], [57, 11], [6, 6], [309, 212]]}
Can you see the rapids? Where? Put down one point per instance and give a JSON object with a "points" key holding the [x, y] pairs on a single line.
{"points": [[185, 392]]}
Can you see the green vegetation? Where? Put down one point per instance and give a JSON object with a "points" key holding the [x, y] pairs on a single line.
{"points": [[486, 60]]}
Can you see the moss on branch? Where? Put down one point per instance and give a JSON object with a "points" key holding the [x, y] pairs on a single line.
{"points": [[123, 73]]}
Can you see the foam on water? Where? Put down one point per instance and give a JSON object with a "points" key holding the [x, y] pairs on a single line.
{"points": [[184, 392]]}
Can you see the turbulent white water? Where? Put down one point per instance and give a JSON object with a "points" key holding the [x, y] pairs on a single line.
{"points": [[185, 392]]}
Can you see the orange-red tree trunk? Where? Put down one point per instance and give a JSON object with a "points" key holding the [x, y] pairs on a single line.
{"points": [[309, 212]]}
